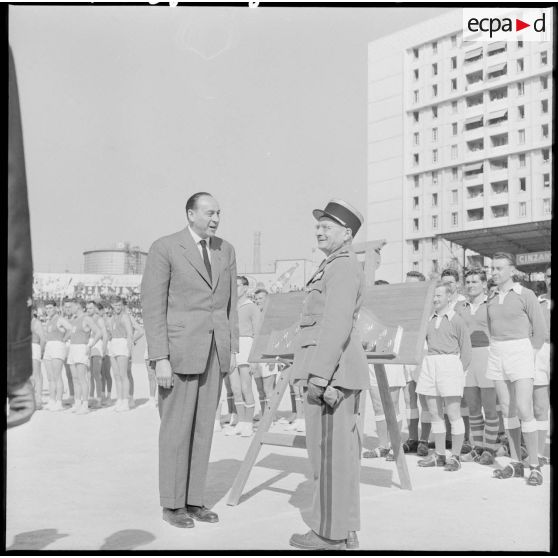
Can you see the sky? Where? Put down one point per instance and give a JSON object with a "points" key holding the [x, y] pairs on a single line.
{"points": [[128, 110]]}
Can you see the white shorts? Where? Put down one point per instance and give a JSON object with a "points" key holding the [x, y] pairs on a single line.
{"points": [[55, 349], [35, 351], [476, 375], [510, 360], [78, 354], [244, 347], [441, 375], [395, 375], [542, 366], [97, 349], [118, 346]]}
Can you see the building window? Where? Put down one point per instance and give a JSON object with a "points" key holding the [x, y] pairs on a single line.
{"points": [[454, 151], [546, 180], [520, 88], [546, 206], [415, 245], [415, 225], [416, 179], [544, 106], [434, 243], [415, 202], [416, 95], [521, 134], [434, 69], [454, 84], [416, 74], [522, 159], [454, 128], [521, 112], [416, 53], [522, 209], [434, 200], [416, 138], [544, 58], [416, 116], [544, 131], [454, 40], [546, 155], [415, 159], [520, 64], [454, 62], [434, 112], [434, 221], [454, 197], [434, 90], [454, 219], [434, 177], [435, 47], [523, 184], [454, 106], [544, 82], [454, 173], [434, 155], [434, 134]]}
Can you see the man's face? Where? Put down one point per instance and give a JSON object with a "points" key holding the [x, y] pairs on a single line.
{"points": [[241, 288], [330, 235], [547, 278], [441, 298], [502, 270], [117, 307], [91, 309], [204, 219], [260, 300], [49, 308], [474, 285]]}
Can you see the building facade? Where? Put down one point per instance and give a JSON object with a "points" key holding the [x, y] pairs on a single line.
{"points": [[459, 140]]}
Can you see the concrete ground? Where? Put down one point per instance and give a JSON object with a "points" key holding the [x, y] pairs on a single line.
{"points": [[90, 483]]}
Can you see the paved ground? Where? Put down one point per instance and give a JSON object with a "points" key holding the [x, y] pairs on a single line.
{"points": [[90, 483]]}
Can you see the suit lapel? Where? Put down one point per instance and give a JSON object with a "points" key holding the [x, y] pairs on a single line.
{"points": [[192, 254], [215, 261]]}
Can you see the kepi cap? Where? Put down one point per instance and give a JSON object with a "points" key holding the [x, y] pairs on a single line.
{"points": [[341, 212]]}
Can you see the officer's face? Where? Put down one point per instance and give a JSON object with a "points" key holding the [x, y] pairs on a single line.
{"points": [[204, 219], [331, 235]]}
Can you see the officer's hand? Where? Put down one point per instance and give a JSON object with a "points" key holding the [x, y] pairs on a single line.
{"points": [[233, 363], [163, 373], [332, 396], [22, 404], [315, 394]]}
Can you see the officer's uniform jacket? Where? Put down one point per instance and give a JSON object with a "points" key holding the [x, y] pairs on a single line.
{"points": [[328, 344]]}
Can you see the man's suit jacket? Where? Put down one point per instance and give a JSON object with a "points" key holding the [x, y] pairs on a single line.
{"points": [[183, 309], [328, 345]]}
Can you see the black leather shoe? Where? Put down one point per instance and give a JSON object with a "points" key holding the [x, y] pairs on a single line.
{"points": [[313, 541], [201, 513], [178, 518]]}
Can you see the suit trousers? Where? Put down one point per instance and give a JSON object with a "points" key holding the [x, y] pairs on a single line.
{"points": [[334, 445], [187, 412]]}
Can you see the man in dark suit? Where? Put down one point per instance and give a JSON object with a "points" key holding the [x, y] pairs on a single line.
{"points": [[189, 310]]}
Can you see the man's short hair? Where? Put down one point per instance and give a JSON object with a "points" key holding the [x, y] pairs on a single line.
{"points": [[259, 291], [381, 282], [243, 280], [504, 256], [450, 272], [416, 274], [51, 302], [193, 200], [476, 271], [448, 286]]}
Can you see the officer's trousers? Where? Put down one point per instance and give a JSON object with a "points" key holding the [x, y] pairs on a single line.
{"points": [[334, 445]]}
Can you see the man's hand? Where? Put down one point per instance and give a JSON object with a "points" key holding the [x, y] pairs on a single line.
{"points": [[163, 373], [315, 394], [22, 404], [233, 363]]}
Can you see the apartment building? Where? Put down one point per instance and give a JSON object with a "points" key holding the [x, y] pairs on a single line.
{"points": [[460, 137]]}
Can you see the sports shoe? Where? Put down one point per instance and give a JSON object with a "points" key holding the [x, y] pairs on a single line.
{"points": [[487, 457], [376, 453], [410, 446], [535, 477], [512, 469], [434, 460], [452, 463], [422, 449]]}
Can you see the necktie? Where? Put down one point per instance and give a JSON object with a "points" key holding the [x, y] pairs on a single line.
{"points": [[203, 244]]}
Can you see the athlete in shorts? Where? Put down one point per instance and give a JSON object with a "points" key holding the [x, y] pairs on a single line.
{"points": [[479, 392], [57, 329], [38, 342], [120, 349], [78, 356], [517, 331], [98, 351], [442, 377]]}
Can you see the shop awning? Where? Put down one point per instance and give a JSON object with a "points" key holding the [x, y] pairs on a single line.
{"points": [[473, 167], [496, 46], [473, 53], [498, 114], [474, 120], [496, 68]]}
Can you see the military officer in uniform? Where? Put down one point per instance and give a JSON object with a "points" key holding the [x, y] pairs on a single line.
{"points": [[330, 359]]}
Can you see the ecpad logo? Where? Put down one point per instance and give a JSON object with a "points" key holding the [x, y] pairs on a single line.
{"points": [[505, 24]]}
